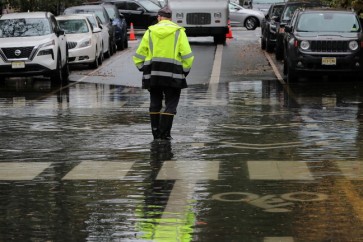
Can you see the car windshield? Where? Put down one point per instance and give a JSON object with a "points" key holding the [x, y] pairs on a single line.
{"points": [[74, 26], [24, 27], [277, 10], [92, 21], [150, 6], [233, 6], [289, 11], [111, 12], [328, 22]]}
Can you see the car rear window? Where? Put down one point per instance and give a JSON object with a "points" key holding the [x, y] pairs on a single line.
{"points": [[24, 27], [99, 13], [328, 22], [74, 26]]}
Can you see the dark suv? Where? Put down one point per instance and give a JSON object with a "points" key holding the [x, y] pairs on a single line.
{"points": [[268, 26], [141, 13], [285, 18], [119, 22], [323, 42]]}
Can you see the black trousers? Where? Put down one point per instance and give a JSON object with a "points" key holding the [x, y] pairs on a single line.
{"points": [[171, 95]]}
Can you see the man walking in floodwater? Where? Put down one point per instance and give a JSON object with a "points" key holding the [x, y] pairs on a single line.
{"points": [[165, 58]]}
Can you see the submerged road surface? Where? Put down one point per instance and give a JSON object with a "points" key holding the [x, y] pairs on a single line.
{"points": [[251, 159]]}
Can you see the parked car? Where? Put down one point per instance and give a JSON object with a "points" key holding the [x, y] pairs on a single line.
{"points": [[323, 42], [104, 34], [243, 17], [84, 43], [268, 26], [101, 12], [285, 18], [119, 22], [31, 43], [141, 13], [260, 5]]}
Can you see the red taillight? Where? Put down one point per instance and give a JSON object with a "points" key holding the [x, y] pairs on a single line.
{"points": [[296, 43], [361, 44]]}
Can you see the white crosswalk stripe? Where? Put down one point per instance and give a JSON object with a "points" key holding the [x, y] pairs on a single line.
{"points": [[13, 171], [99, 170]]}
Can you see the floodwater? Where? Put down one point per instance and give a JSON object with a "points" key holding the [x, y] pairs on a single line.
{"points": [[250, 161]]}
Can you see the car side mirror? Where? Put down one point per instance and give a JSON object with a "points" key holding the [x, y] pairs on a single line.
{"points": [[60, 32], [96, 30], [141, 10], [266, 16], [275, 18], [288, 28]]}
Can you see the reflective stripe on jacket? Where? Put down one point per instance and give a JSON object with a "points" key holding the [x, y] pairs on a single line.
{"points": [[164, 56]]}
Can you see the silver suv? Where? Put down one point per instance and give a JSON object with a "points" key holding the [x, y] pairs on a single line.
{"points": [[31, 43]]}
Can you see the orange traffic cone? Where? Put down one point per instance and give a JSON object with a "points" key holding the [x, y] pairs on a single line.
{"points": [[132, 33], [229, 34]]}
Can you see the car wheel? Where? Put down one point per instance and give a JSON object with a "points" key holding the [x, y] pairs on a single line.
{"points": [[219, 39], [66, 68], [108, 52], [290, 74], [269, 45], [263, 43], [126, 42], [279, 54], [57, 75], [95, 64], [112, 50], [114, 47], [251, 23], [100, 58], [66, 71], [121, 45]]}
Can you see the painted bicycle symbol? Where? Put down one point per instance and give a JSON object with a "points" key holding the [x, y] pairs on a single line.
{"points": [[271, 203]]}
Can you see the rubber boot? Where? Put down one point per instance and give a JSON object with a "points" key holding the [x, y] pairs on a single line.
{"points": [[166, 122], [155, 120]]}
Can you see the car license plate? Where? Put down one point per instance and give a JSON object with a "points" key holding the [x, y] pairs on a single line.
{"points": [[18, 64], [329, 61]]}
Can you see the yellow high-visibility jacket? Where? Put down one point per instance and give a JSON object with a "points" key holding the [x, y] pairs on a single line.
{"points": [[164, 56]]}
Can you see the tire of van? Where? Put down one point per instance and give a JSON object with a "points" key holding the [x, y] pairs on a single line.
{"points": [[219, 39]]}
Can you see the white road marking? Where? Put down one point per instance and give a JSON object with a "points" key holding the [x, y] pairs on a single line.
{"points": [[17, 171], [352, 170], [274, 68], [97, 170], [216, 71], [278, 170], [186, 174]]}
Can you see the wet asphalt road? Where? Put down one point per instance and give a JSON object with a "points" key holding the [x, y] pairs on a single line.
{"points": [[251, 159]]}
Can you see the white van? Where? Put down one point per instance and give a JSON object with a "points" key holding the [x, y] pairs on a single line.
{"points": [[202, 17]]}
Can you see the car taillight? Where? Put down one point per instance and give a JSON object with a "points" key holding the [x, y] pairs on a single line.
{"points": [[296, 43], [361, 44]]}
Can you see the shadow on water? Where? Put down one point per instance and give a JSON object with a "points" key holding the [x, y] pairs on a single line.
{"points": [[32, 89], [323, 93]]}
